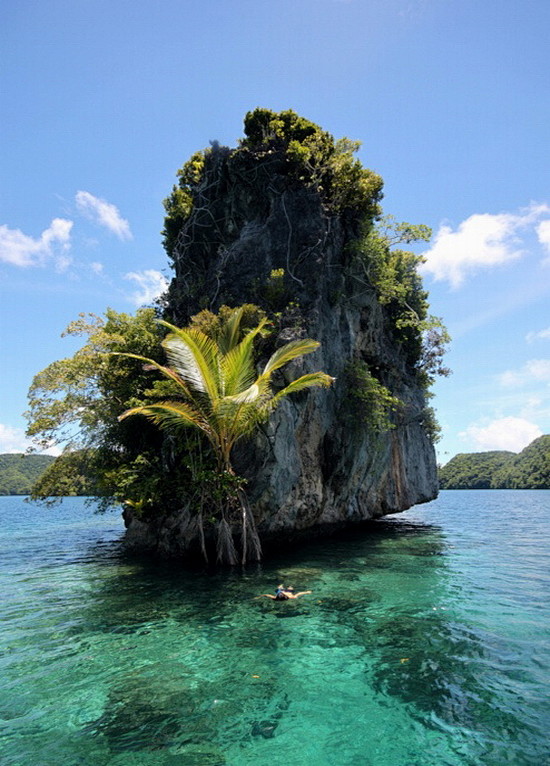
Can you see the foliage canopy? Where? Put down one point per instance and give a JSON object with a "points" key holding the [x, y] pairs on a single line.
{"points": [[75, 402]]}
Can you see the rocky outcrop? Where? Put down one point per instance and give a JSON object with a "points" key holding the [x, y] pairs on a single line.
{"points": [[256, 234]]}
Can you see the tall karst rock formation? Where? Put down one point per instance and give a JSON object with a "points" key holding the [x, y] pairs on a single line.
{"points": [[279, 222]]}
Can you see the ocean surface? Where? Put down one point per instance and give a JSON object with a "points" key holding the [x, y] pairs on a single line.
{"points": [[425, 642]]}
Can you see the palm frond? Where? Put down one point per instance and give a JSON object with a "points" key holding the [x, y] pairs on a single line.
{"points": [[170, 414], [194, 357], [245, 419], [238, 363], [150, 363], [288, 352], [230, 329], [311, 380], [249, 395]]}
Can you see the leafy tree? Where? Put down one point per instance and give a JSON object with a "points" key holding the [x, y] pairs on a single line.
{"points": [[75, 403], [69, 474], [219, 393], [393, 274]]}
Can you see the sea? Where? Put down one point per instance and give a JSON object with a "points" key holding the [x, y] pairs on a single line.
{"points": [[424, 642]]}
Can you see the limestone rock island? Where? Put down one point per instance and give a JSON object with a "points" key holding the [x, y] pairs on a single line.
{"points": [[286, 221]]}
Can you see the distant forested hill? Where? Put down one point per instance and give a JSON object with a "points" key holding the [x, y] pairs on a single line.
{"points": [[18, 472], [500, 470]]}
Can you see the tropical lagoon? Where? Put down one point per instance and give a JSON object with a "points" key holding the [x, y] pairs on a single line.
{"points": [[424, 642]]}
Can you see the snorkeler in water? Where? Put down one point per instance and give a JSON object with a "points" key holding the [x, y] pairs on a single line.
{"points": [[284, 594]]}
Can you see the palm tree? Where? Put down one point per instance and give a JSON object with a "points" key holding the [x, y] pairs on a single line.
{"points": [[221, 394]]}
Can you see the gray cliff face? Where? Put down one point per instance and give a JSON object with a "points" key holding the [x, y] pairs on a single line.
{"points": [[316, 464]]}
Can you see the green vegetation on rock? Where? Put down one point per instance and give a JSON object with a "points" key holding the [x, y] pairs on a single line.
{"points": [[217, 391], [301, 150], [373, 403], [202, 220], [530, 469], [393, 274]]}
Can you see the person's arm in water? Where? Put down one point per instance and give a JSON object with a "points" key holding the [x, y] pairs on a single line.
{"points": [[297, 595], [266, 595]]}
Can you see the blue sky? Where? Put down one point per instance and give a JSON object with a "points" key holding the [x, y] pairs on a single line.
{"points": [[104, 101]]}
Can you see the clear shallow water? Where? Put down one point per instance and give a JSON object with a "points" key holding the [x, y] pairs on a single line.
{"points": [[423, 644]]}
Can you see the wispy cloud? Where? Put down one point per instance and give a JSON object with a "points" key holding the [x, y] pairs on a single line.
{"points": [[538, 335], [543, 234], [18, 249], [534, 371], [151, 284], [103, 213], [14, 440], [481, 241], [509, 433]]}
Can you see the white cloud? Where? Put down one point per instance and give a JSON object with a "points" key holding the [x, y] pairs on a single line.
{"points": [[14, 440], [19, 249], [104, 213], [533, 371], [151, 285], [543, 234], [509, 433], [538, 335], [96, 267], [481, 241]]}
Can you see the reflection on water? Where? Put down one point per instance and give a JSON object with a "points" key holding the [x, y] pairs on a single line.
{"points": [[405, 653]]}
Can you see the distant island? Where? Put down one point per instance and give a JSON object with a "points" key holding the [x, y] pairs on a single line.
{"points": [[530, 469], [18, 472]]}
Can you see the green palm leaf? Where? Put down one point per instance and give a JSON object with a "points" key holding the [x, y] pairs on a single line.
{"points": [[169, 414], [230, 331], [311, 380], [195, 357], [288, 352], [238, 363]]}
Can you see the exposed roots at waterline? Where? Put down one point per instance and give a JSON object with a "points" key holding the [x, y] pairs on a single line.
{"points": [[226, 552]]}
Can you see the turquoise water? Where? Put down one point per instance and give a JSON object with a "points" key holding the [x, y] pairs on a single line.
{"points": [[423, 643]]}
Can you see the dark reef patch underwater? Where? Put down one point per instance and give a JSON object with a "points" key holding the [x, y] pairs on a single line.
{"points": [[424, 643]]}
